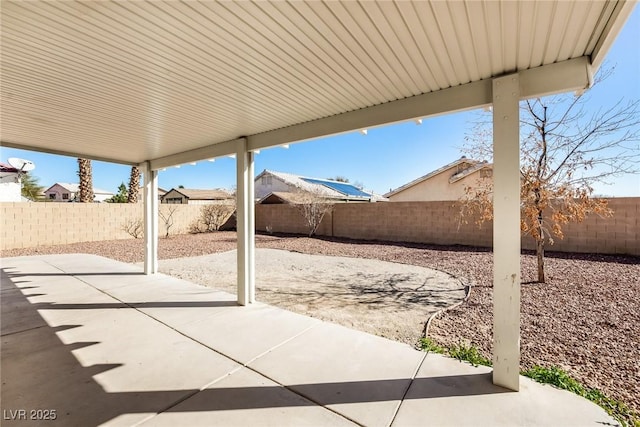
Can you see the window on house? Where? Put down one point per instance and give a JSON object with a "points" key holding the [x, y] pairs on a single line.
{"points": [[266, 180], [52, 196], [65, 196]]}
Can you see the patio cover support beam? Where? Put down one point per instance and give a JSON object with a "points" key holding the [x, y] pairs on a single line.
{"points": [[506, 232], [150, 218], [209, 152], [571, 75], [245, 223]]}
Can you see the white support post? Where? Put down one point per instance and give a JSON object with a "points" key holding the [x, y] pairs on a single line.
{"points": [[251, 227], [245, 224], [506, 232], [150, 219]]}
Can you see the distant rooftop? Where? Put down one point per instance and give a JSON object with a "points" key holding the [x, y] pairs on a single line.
{"points": [[74, 188], [327, 187], [199, 194], [7, 168]]}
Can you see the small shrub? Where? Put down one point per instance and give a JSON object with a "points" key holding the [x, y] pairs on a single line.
{"points": [[212, 217], [430, 346], [197, 227], [555, 376], [468, 353], [134, 227]]}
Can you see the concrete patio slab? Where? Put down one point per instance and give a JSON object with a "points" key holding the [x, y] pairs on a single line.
{"points": [[180, 354], [265, 327], [15, 316], [446, 391], [247, 399], [188, 307], [345, 370], [135, 339]]}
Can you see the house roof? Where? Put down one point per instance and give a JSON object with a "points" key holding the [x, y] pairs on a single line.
{"points": [[7, 168], [161, 191], [74, 188], [281, 197], [196, 194], [327, 187], [96, 79], [476, 165]]}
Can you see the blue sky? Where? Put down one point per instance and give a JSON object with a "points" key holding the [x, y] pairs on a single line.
{"points": [[385, 158]]}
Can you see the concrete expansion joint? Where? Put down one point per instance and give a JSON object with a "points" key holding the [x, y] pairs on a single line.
{"points": [[23, 330], [404, 396]]}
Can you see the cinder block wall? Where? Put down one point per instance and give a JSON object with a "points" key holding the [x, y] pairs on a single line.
{"points": [[287, 219], [619, 234], [37, 224], [438, 223], [25, 225]]}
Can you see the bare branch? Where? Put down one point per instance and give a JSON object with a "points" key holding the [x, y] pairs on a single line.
{"points": [[313, 206]]}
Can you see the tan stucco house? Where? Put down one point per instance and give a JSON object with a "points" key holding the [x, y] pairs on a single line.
{"points": [[188, 196], [446, 183], [66, 192]]}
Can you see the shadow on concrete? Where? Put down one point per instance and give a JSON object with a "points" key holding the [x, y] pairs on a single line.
{"points": [[39, 371], [11, 275], [155, 304]]}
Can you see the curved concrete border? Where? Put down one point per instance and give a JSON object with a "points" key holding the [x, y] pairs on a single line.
{"points": [[467, 291]]}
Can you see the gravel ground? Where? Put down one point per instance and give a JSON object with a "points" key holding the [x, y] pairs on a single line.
{"points": [[584, 319]]}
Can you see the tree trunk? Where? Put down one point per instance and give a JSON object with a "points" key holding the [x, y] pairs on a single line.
{"points": [[540, 249], [85, 190], [134, 185], [540, 254]]}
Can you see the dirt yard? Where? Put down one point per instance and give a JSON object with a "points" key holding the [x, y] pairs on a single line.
{"points": [[585, 319], [388, 299]]}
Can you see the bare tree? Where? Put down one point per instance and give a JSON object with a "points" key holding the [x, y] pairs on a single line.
{"points": [[339, 178], [166, 215], [313, 206], [134, 185], [85, 191], [133, 227], [564, 152]]}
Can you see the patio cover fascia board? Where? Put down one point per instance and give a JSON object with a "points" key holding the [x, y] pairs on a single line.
{"points": [[571, 75], [610, 31], [9, 144]]}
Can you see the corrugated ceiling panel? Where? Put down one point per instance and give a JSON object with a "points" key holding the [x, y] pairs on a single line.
{"points": [[541, 35], [479, 35], [138, 80]]}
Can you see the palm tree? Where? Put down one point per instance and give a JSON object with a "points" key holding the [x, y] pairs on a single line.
{"points": [[134, 185], [30, 187], [85, 192]]}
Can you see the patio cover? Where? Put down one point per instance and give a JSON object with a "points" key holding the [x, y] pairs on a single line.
{"points": [[165, 83]]}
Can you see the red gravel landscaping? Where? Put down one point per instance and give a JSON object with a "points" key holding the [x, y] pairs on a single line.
{"points": [[584, 319]]}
